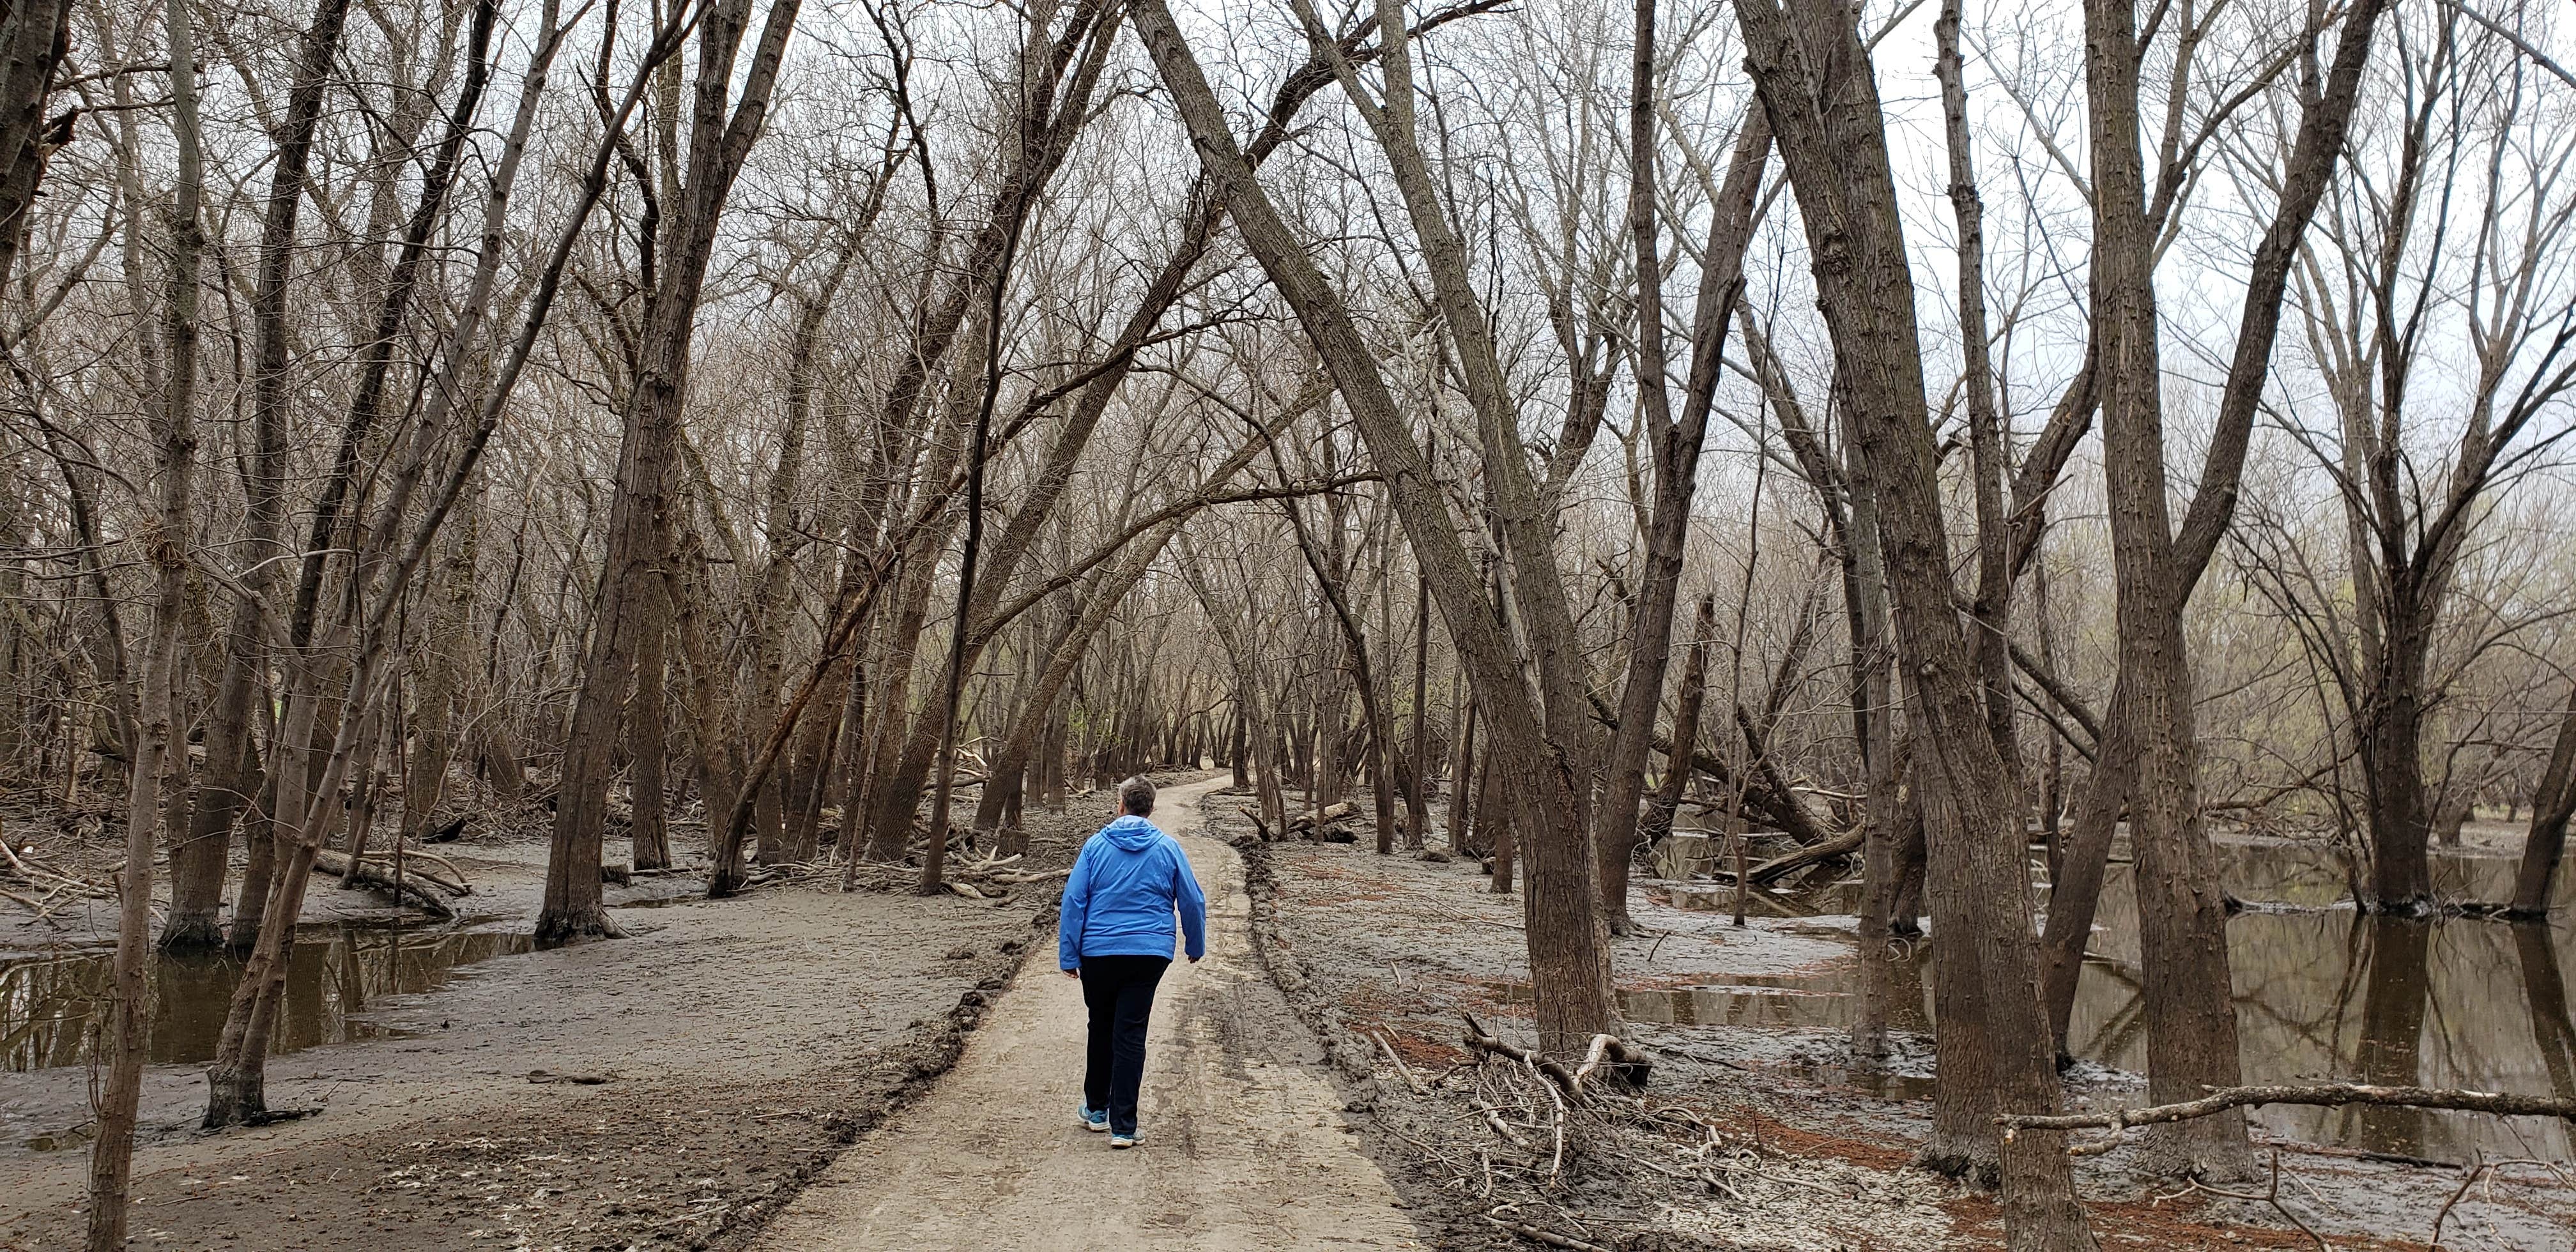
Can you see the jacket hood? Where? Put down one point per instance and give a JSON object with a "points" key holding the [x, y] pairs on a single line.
{"points": [[1131, 833]]}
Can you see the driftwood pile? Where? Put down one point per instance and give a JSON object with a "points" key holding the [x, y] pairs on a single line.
{"points": [[986, 877], [1564, 1153], [1329, 824], [53, 888]]}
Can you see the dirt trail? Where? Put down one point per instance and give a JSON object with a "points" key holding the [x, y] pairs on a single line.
{"points": [[1245, 1145]]}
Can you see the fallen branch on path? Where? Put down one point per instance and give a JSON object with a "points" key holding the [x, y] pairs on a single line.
{"points": [[546, 1077]]}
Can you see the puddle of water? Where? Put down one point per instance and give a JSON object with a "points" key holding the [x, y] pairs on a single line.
{"points": [[2326, 994], [2321, 993], [338, 972]]}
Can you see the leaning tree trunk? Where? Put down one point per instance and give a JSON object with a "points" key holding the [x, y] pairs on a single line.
{"points": [[722, 130], [198, 862], [159, 765], [1675, 445], [1812, 73], [1546, 727], [1667, 800], [2551, 806], [35, 35]]}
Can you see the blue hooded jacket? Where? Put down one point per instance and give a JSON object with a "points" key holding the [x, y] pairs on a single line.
{"points": [[1119, 899]]}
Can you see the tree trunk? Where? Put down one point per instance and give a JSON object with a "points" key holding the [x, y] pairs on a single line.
{"points": [[2392, 761], [1548, 727], [1416, 769], [1355, 652], [1812, 74], [1462, 780], [1887, 825], [2551, 806], [198, 862], [1991, 610], [641, 521], [442, 675], [159, 764], [1675, 445], [2075, 889], [2182, 911], [1667, 800], [647, 742], [35, 36]]}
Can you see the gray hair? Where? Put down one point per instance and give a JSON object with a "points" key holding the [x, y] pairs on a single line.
{"points": [[1136, 796]]}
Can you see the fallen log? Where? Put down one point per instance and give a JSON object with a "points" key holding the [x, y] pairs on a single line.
{"points": [[1780, 867], [415, 886], [2118, 1121], [1016, 877], [1776, 807], [1325, 816]]}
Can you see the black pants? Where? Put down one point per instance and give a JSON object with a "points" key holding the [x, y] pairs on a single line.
{"points": [[1119, 990]]}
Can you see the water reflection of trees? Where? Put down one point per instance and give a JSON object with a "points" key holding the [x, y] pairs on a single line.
{"points": [[335, 976], [2331, 994]]}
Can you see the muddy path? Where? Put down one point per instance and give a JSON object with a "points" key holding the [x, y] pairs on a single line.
{"points": [[1245, 1139]]}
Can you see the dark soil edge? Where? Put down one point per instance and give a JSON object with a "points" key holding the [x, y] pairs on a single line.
{"points": [[1446, 1218], [932, 1055]]}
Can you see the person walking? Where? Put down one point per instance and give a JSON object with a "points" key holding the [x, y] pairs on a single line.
{"points": [[1114, 933]]}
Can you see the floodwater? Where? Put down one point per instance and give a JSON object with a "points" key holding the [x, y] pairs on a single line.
{"points": [[49, 1004], [2323, 993]]}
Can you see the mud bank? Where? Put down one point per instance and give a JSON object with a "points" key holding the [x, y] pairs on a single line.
{"points": [[667, 1090], [1759, 1139]]}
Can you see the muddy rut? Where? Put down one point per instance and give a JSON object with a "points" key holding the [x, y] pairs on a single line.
{"points": [[1245, 1143]]}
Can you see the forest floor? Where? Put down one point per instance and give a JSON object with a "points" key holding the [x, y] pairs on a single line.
{"points": [[759, 1072], [1748, 1136], [666, 1090]]}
